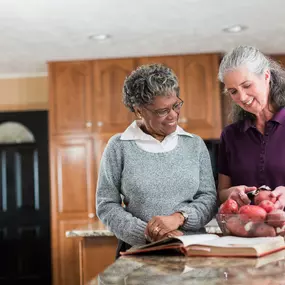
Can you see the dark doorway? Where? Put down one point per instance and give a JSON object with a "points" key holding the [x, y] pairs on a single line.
{"points": [[25, 203]]}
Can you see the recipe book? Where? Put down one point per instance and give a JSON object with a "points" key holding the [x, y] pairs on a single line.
{"points": [[213, 245]]}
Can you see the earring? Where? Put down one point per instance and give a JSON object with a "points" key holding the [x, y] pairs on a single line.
{"points": [[139, 115]]}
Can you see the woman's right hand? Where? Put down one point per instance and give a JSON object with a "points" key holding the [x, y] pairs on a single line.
{"points": [[238, 193]]}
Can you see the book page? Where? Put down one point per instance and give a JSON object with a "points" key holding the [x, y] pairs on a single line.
{"points": [[196, 239], [231, 241]]}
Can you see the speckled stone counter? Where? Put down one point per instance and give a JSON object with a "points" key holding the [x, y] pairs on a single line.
{"points": [[158, 270], [97, 229]]}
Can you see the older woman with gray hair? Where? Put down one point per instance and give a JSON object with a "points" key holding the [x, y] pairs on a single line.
{"points": [[155, 179], [252, 151]]}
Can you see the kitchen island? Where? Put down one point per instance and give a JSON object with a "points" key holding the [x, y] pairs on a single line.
{"points": [[180, 270], [97, 247]]}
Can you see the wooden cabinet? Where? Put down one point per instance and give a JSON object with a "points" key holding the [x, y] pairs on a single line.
{"points": [[174, 62], [74, 176], [70, 100], [100, 141], [73, 180], [201, 113], [95, 255], [109, 113], [86, 109], [200, 90]]}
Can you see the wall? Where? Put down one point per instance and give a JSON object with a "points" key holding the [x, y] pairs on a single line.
{"points": [[20, 94]]}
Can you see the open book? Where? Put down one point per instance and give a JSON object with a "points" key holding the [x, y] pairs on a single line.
{"points": [[213, 245]]}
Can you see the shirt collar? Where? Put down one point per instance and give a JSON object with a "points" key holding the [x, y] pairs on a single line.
{"points": [[279, 117], [134, 132]]}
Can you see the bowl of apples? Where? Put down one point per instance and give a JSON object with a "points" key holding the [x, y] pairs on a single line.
{"points": [[259, 219]]}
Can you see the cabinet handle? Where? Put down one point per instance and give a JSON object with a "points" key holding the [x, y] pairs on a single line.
{"points": [[88, 124], [91, 215], [182, 120], [99, 124]]}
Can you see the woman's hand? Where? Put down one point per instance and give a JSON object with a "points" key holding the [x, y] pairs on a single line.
{"points": [[238, 193], [160, 227], [279, 194]]}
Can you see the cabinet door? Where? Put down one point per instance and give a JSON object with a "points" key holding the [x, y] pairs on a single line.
{"points": [[109, 112], [66, 264], [70, 97], [73, 176], [200, 90], [172, 62], [97, 254], [100, 142]]}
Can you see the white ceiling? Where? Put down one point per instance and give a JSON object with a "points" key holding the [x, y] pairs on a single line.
{"points": [[36, 31]]}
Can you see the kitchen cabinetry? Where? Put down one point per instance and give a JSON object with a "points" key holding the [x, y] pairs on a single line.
{"points": [[73, 180], [199, 88], [109, 113], [70, 97], [86, 109]]}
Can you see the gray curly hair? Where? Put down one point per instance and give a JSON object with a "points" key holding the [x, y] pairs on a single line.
{"points": [[147, 82], [257, 63]]}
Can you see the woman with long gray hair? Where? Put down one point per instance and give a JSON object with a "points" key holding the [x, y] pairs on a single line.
{"points": [[155, 179], [252, 151]]}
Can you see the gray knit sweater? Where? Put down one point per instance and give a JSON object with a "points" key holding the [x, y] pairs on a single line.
{"points": [[154, 184]]}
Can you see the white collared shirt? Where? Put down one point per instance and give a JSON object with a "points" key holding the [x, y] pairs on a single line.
{"points": [[148, 142]]}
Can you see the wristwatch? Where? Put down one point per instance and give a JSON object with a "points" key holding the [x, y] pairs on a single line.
{"points": [[185, 216]]}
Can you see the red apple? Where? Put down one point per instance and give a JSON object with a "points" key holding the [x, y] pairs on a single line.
{"points": [[230, 206], [264, 230], [276, 218], [252, 213], [264, 195], [236, 227], [267, 205]]}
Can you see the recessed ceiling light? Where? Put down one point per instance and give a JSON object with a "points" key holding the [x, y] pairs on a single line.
{"points": [[235, 29], [100, 37]]}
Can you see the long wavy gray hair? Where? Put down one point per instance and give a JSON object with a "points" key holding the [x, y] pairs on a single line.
{"points": [[257, 63], [147, 82]]}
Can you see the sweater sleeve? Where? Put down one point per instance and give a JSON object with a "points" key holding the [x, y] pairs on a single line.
{"points": [[202, 208], [109, 208]]}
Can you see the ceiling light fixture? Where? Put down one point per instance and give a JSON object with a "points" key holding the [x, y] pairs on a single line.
{"points": [[235, 29], [100, 37]]}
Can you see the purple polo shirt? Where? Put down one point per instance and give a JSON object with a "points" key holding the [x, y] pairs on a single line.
{"points": [[251, 158]]}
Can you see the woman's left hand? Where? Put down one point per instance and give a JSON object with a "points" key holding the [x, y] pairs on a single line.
{"points": [[279, 194], [159, 226]]}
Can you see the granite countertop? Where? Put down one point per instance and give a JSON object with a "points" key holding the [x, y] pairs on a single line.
{"points": [[97, 229], [180, 270]]}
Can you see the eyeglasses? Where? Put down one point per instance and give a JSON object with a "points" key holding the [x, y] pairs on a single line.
{"points": [[164, 112]]}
